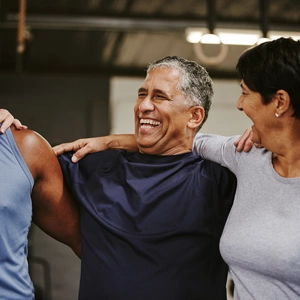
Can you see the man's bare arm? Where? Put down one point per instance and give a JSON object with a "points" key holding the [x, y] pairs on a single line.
{"points": [[54, 210]]}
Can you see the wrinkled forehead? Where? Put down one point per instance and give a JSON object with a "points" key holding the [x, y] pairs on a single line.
{"points": [[163, 78]]}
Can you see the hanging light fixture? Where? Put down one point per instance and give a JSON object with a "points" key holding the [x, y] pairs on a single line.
{"points": [[274, 35], [223, 35], [264, 20], [234, 36], [208, 36], [247, 37]]}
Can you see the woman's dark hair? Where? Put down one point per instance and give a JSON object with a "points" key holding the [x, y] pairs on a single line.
{"points": [[273, 66]]}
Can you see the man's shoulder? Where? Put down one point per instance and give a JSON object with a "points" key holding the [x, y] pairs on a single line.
{"points": [[100, 161], [206, 163], [103, 156], [27, 138], [35, 149], [215, 171]]}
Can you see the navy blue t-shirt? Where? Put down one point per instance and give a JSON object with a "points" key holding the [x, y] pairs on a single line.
{"points": [[150, 225]]}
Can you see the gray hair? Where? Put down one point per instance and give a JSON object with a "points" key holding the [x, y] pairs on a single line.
{"points": [[195, 82]]}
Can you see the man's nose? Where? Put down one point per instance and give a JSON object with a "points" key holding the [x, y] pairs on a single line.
{"points": [[146, 104]]}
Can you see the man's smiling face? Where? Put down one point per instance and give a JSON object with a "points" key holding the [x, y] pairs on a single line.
{"points": [[161, 114]]}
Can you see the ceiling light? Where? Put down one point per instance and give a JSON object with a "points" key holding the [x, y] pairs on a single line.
{"points": [[274, 35], [246, 37], [226, 36], [263, 40], [193, 36], [238, 36], [210, 38]]}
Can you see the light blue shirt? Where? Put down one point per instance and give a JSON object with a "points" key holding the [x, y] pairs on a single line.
{"points": [[16, 184]]}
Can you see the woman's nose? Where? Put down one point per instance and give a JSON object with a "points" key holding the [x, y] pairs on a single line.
{"points": [[239, 104]]}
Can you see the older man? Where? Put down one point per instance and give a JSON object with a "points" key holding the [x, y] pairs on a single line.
{"points": [[151, 220]]}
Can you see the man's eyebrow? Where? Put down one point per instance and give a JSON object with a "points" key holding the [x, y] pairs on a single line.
{"points": [[158, 91], [142, 90]]}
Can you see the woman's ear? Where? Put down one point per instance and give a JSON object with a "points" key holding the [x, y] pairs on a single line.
{"points": [[197, 115], [282, 101]]}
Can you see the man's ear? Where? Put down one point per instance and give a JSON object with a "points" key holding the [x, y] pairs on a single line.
{"points": [[282, 102], [196, 117]]}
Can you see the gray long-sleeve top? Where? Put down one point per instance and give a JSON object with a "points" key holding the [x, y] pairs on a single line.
{"points": [[261, 239]]}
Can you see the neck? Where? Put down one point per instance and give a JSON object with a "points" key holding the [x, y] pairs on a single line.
{"points": [[287, 161], [163, 153]]}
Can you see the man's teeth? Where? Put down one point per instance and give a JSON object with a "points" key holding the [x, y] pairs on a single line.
{"points": [[149, 122]]}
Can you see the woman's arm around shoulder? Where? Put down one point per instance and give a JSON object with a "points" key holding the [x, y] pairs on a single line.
{"points": [[217, 148]]}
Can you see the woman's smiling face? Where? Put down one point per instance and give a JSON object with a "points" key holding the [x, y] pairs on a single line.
{"points": [[262, 115]]}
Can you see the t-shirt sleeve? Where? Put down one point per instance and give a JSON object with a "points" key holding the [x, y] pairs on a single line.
{"points": [[76, 175], [219, 149], [69, 169]]}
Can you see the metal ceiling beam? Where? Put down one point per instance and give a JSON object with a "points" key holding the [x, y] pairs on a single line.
{"points": [[100, 23], [111, 71], [57, 22]]}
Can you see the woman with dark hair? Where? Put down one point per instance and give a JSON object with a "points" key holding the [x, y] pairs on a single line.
{"points": [[261, 239]]}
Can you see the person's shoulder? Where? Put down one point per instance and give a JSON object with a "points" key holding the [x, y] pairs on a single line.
{"points": [[211, 165], [106, 161], [215, 171], [104, 156], [27, 139], [35, 150], [255, 156]]}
